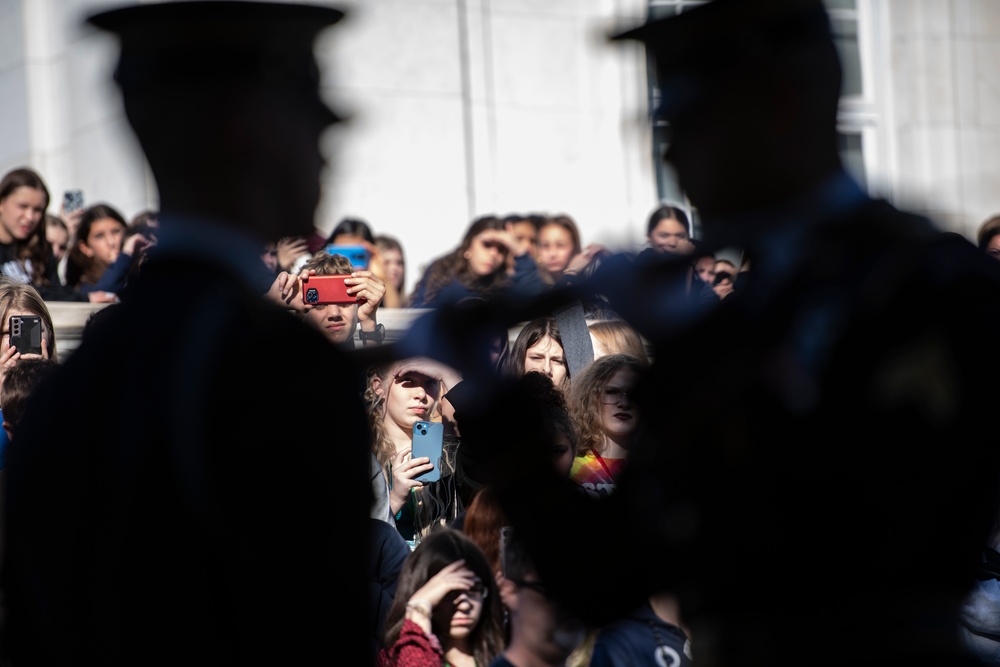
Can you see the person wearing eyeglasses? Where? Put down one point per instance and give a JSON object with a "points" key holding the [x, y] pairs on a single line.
{"points": [[447, 609], [542, 632], [607, 420]]}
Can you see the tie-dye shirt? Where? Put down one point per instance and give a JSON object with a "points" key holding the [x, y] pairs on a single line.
{"points": [[588, 472]]}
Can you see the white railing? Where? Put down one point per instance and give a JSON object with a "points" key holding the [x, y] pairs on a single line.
{"points": [[69, 318]]}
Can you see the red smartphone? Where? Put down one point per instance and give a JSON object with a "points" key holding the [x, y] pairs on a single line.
{"points": [[317, 290]]}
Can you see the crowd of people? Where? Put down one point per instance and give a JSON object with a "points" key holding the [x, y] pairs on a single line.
{"points": [[466, 596], [641, 459], [93, 253]]}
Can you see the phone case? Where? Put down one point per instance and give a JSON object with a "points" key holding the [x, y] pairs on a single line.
{"points": [[26, 333], [72, 200], [326, 289], [356, 253], [428, 440]]}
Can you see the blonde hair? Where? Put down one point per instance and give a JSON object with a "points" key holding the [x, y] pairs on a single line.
{"points": [[619, 337], [382, 446]]}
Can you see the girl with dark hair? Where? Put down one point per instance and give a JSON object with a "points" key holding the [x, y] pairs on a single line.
{"points": [[357, 232], [668, 230], [539, 347], [988, 237], [25, 253], [351, 230], [447, 609], [102, 253], [477, 267]]}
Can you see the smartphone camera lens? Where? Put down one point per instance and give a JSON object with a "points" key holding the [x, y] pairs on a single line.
{"points": [[312, 295]]}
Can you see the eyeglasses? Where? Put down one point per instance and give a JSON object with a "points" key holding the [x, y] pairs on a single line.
{"points": [[612, 395], [536, 586], [477, 592]]}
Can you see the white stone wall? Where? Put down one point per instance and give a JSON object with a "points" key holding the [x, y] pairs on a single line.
{"points": [[945, 109], [458, 108], [466, 107]]}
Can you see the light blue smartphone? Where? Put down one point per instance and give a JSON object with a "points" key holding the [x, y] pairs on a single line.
{"points": [[428, 440], [358, 254]]}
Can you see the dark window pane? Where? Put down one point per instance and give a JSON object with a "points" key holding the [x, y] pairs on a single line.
{"points": [[850, 145], [845, 33]]}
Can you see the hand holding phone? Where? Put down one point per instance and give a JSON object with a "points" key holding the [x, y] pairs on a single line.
{"points": [[319, 290], [428, 440], [26, 333], [72, 201]]}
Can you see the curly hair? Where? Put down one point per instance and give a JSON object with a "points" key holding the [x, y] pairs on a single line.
{"points": [[436, 503], [585, 401], [454, 267], [382, 446], [325, 264]]}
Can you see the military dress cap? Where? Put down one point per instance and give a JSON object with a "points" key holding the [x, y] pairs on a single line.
{"points": [[201, 42], [708, 26], [721, 36]]}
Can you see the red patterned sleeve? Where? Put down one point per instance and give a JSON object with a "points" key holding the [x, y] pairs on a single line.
{"points": [[413, 649]]}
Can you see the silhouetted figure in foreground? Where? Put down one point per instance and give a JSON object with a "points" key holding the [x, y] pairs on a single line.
{"points": [[814, 484], [201, 497]]}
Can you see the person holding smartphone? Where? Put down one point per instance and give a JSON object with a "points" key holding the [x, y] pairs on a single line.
{"points": [[400, 394], [338, 322], [20, 299]]}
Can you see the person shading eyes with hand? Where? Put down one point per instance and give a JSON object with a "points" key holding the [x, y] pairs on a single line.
{"points": [[447, 609]]}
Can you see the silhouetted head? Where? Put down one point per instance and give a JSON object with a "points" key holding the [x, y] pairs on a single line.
{"points": [[750, 92], [224, 98]]}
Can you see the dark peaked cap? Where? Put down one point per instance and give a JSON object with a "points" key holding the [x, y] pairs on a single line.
{"points": [[194, 43], [722, 35]]}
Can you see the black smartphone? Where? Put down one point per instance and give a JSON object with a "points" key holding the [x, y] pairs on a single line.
{"points": [[506, 537], [26, 333], [428, 440]]}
